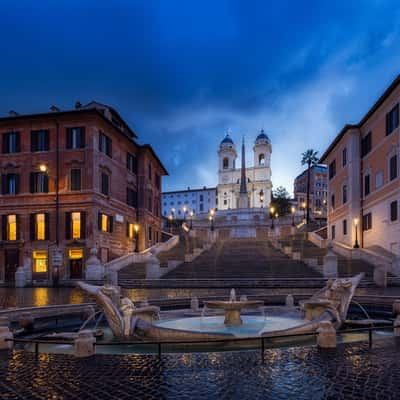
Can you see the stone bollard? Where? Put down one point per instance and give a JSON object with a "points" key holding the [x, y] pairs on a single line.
{"points": [[380, 276], [20, 277], [326, 338], [194, 304], [289, 301], [26, 321], [84, 344], [330, 266], [5, 334]]}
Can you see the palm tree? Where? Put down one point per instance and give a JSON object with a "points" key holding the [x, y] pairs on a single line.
{"points": [[309, 158]]}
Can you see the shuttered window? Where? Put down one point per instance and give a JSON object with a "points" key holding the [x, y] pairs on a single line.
{"points": [[75, 138], [75, 179], [40, 140], [11, 142]]}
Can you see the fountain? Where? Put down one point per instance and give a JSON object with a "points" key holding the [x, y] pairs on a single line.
{"points": [[129, 322], [233, 307]]}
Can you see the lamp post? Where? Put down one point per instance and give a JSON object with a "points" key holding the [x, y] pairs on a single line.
{"points": [[303, 205], [184, 209], [261, 197], [170, 219], [356, 245], [293, 211], [136, 229], [191, 219], [211, 218], [57, 257], [271, 214]]}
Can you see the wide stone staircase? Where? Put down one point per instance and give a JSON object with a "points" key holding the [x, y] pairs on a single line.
{"points": [[244, 258]]}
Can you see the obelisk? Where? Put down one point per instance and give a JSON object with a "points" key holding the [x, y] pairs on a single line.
{"points": [[243, 197]]}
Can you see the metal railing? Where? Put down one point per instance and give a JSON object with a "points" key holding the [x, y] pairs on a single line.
{"points": [[262, 341]]}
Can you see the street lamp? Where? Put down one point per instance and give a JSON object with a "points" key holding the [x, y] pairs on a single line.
{"points": [[271, 214], [211, 219], [43, 168], [261, 197], [293, 211], [356, 246], [304, 204], [191, 219], [136, 229], [170, 219], [184, 209]]}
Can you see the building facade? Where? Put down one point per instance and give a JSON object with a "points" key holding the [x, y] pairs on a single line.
{"points": [[71, 181], [197, 201], [363, 178], [318, 191], [259, 185]]}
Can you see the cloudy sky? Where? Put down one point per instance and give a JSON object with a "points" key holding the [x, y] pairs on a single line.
{"points": [[183, 73]]}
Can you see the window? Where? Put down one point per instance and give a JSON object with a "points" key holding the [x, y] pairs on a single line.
{"points": [[131, 197], [10, 227], [105, 223], [201, 207], [366, 144], [393, 167], [150, 173], [75, 225], [333, 201], [75, 179], [332, 169], [150, 203], [225, 163], [39, 261], [39, 182], [75, 138], [105, 144], [344, 194], [344, 157], [158, 182], [40, 226], [75, 254], [367, 186], [367, 222], [201, 197], [40, 140], [10, 184], [11, 142], [333, 232], [378, 179], [105, 184], [393, 211], [131, 163], [392, 119], [344, 227], [261, 159]]}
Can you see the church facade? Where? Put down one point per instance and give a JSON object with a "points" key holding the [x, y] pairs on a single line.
{"points": [[258, 177]]}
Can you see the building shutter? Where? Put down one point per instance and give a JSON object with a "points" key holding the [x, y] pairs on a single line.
{"points": [[99, 221], [32, 226], [18, 141], [34, 137], [32, 182], [110, 224], [46, 183], [5, 137], [17, 220], [4, 227], [16, 183], [47, 226], [4, 188], [83, 225], [69, 138], [83, 137], [46, 140], [109, 146], [68, 225]]}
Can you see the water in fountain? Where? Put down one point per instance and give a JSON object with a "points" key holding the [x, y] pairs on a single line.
{"points": [[363, 310], [88, 320], [232, 297]]}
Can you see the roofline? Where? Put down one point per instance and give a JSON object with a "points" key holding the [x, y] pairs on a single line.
{"points": [[148, 146], [312, 167], [189, 190], [364, 119], [69, 112]]}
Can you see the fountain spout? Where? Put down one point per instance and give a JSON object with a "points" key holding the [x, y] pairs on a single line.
{"points": [[232, 297]]}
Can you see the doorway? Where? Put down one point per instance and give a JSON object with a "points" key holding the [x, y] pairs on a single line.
{"points": [[75, 263], [11, 264]]}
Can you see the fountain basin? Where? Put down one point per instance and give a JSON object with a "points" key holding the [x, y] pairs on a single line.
{"points": [[233, 309]]}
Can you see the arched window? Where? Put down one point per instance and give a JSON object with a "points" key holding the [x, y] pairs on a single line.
{"points": [[261, 159], [225, 163]]}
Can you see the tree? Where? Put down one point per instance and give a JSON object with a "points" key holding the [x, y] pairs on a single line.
{"points": [[309, 158], [281, 200]]}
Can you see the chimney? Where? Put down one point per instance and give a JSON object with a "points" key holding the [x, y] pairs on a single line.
{"points": [[54, 109], [12, 113], [78, 105]]}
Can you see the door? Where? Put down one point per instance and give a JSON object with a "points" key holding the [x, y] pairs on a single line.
{"points": [[76, 268], [11, 264]]}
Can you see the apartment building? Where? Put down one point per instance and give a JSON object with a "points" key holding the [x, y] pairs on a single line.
{"points": [[70, 181], [363, 178]]}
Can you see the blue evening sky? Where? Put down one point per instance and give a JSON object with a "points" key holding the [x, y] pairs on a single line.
{"points": [[183, 73]]}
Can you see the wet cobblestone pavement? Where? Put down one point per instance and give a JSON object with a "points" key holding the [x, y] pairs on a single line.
{"points": [[351, 371]]}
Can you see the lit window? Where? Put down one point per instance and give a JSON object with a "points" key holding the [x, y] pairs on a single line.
{"points": [[76, 225], [40, 227], [131, 231], [104, 222], [40, 261], [75, 254], [11, 227]]}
